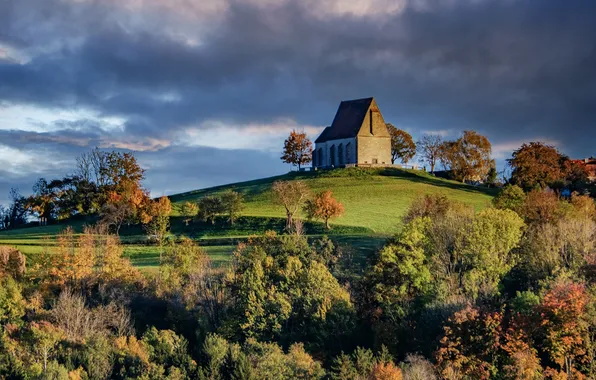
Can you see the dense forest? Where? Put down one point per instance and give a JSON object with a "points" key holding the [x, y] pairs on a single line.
{"points": [[507, 292]]}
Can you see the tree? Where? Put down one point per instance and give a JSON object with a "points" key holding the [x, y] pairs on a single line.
{"points": [[12, 262], [297, 149], [232, 204], [494, 234], [512, 197], [563, 321], [430, 149], [129, 205], [189, 211], [46, 337], [402, 144], [16, 214], [127, 201], [291, 195], [159, 212], [399, 273], [468, 157], [41, 203], [324, 206], [210, 207], [281, 291], [536, 165], [471, 345]]}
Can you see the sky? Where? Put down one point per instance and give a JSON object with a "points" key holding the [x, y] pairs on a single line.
{"points": [[205, 91]]}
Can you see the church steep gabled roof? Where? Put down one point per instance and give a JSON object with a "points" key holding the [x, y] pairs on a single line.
{"points": [[348, 120]]}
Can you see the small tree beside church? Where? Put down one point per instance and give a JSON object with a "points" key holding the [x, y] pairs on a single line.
{"points": [[297, 149], [402, 144], [324, 206]]}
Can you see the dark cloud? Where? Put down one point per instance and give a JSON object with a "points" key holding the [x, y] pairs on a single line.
{"points": [[514, 69]]}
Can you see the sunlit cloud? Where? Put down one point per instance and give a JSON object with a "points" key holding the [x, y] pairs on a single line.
{"points": [[267, 137]]}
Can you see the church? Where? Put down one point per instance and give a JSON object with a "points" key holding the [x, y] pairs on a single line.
{"points": [[358, 136]]}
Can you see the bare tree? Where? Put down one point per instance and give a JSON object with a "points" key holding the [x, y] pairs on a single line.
{"points": [[92, 166], [291, 195], [429, 148]]}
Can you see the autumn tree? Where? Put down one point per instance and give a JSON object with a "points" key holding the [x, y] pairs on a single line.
{"points": [[232, 205], [297, 149], [323, 206], [536, 165], [429, 149], [563, 321], [469, 157], [189, 211], [402, 145], [291, 195], [12, 262], [127, 200]]}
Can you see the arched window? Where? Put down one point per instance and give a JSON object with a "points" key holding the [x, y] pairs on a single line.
{"points": [[348, 153], [321, 158], [332, 155], [340, 154], [314, 158]]}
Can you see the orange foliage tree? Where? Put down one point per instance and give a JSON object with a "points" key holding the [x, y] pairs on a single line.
{"points": [[469, 157], [471, 344], [564, 326], [297, 149], [324, 206], [402, 144], [536, 165]]}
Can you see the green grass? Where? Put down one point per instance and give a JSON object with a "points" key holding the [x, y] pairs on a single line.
{"points": [[374, 202], [374, 199]]}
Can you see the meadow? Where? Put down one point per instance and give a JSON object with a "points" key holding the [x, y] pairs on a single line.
{"points": [[374, 199]]}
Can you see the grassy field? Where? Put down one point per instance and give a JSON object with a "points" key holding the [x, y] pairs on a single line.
{"points": [[374, 201]]}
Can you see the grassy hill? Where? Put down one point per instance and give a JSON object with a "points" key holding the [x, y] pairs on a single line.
{"points": [[374, 201]]}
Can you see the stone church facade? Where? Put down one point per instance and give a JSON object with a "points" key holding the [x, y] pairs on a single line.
{"points": [[358, 136]]}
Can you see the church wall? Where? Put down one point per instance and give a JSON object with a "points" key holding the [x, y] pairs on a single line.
{"points": [[349, 157], [370, 148], [378, 123]]}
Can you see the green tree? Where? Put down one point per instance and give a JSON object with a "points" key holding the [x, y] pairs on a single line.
{"points": [[210, 207], [512, 197], [494, 234], [282, 291], [400, 271], [12, 303], [159, 223], [232, 204], [189, 211]]}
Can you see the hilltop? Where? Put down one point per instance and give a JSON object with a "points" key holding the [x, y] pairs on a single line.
{"points": [[374, 200]]}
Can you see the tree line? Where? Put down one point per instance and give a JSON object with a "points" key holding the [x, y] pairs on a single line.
{"points": [[468, 159], [507, 292]]}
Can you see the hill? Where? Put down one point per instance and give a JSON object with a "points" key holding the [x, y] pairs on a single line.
{"points": [[374, 201]]}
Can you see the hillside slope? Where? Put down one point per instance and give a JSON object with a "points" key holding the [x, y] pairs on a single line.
{"points": [[374, 199]]}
